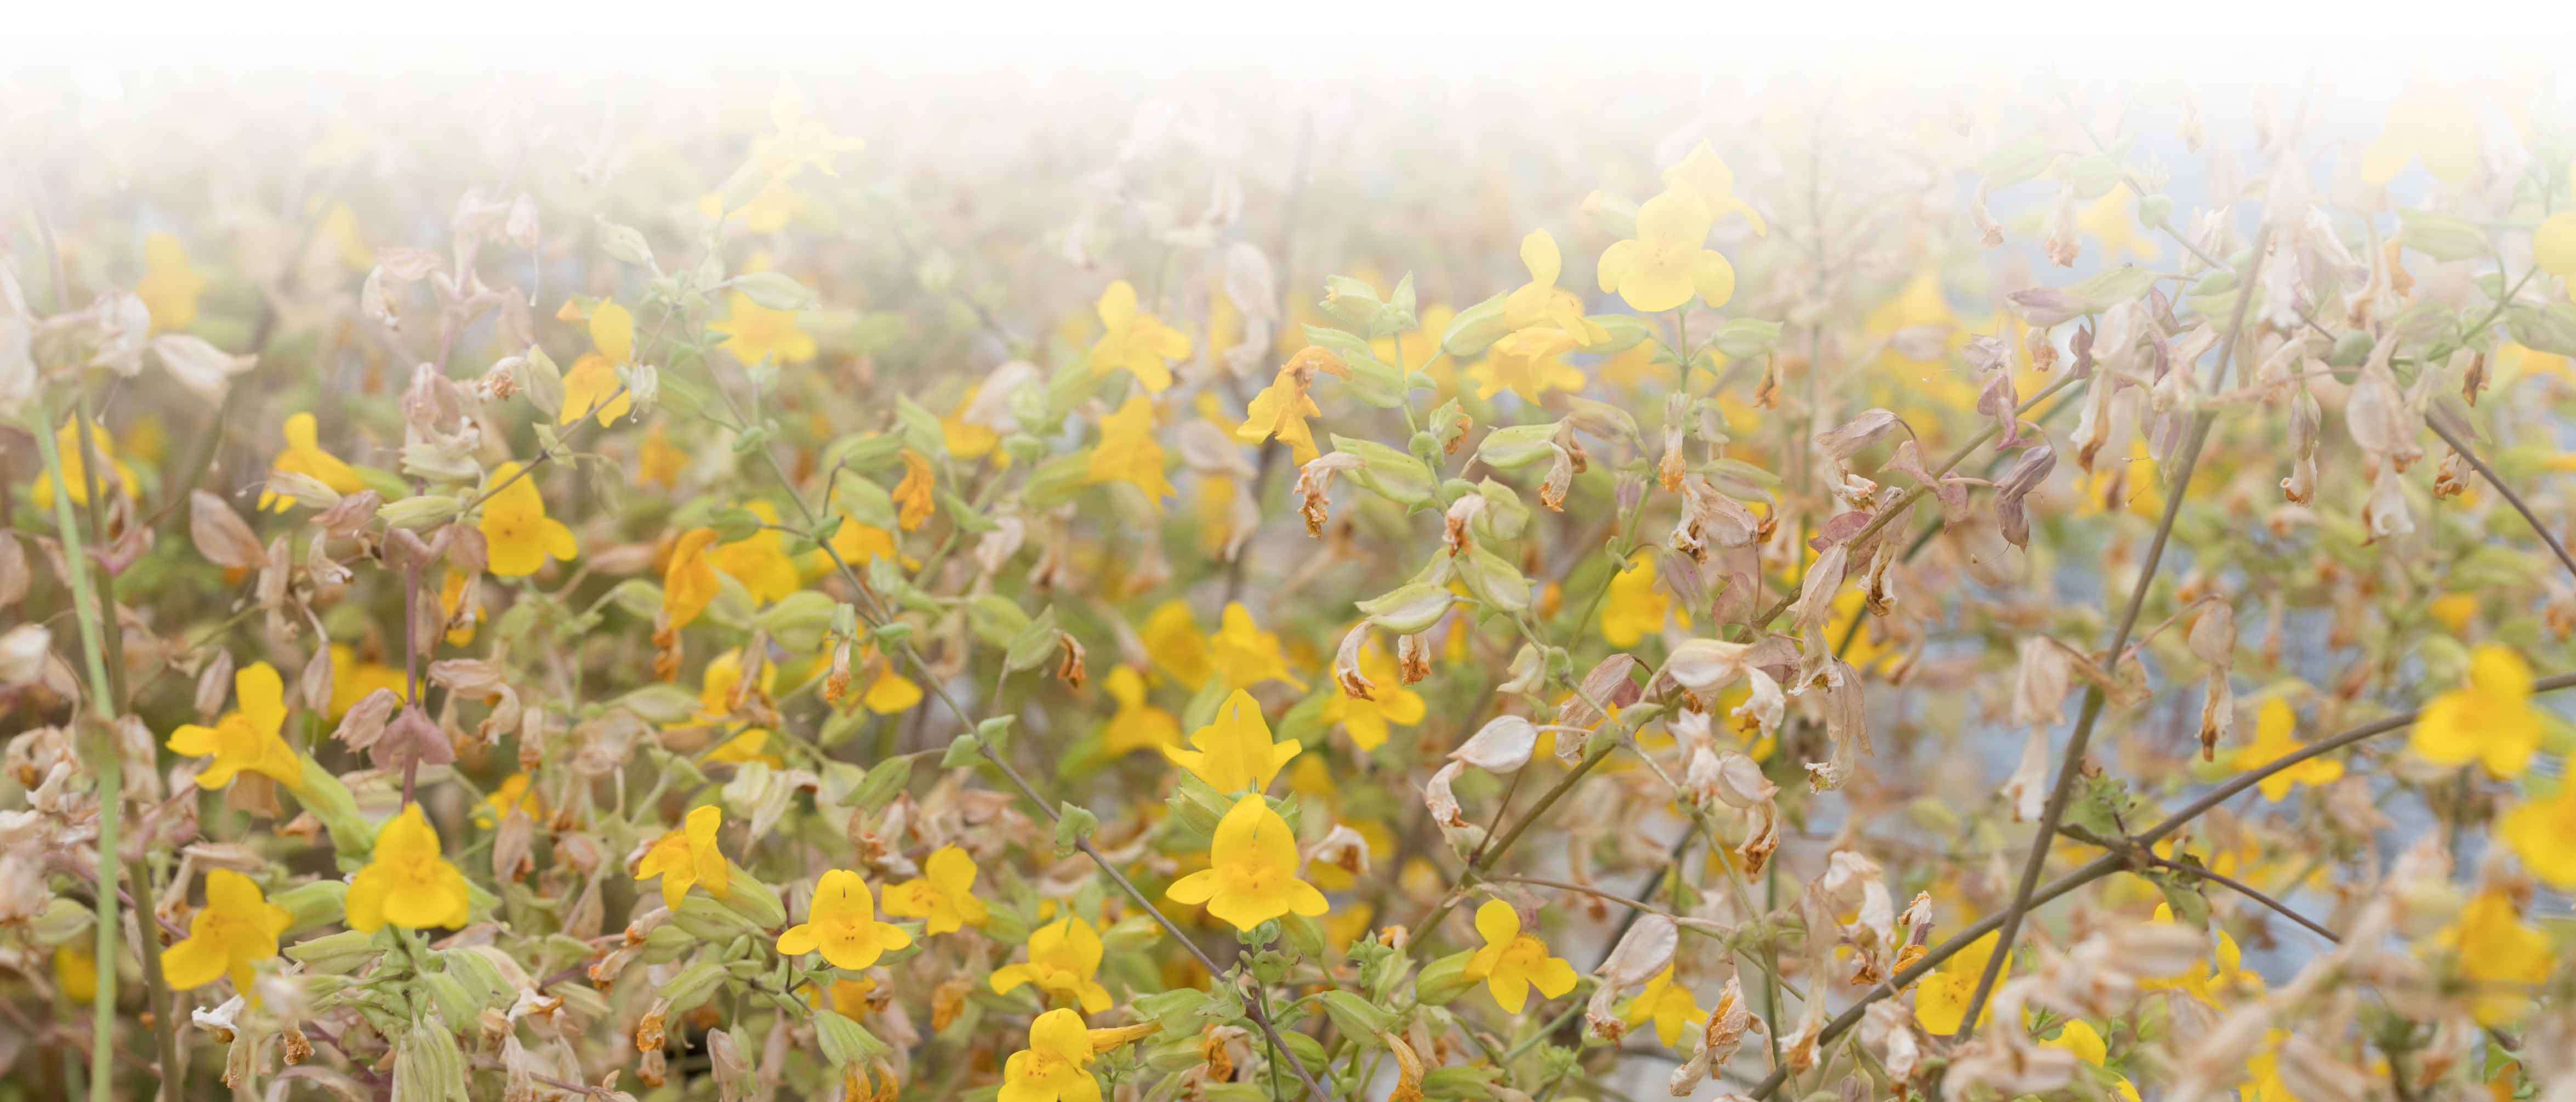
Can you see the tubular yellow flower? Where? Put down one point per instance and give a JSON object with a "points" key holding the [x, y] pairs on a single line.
{"points": [[749, 746], [1136, 725], [943, 897], [2553, 244], [890, 693], [170, 285], [859, 544], [689, 582], [238, 928], [1251, 876], [2202, 981], [759, 561], [1528, 363], [1667, 262], [912, 496], [1246, 655], [117, 479], [843, 924], [2497, 950], [801, 139], [517, 533], [1669, 1003], [1941, 999], [2433, 123], [406, 881], [1172, 639], [1512, 962], [2539, 832], [1056, 1065], [353, 678], [1235, 754], [248, 737], [1634, 608], [1064, 956], [1135, 341], [1708, 176], [514, 794], [2079, 1037], [2272, 742], [657, 461], [304, 456], [2490, 720], [755, 333], [451, 591], [1390, 703], [1281, 409], [1541, 303], [1127, 451], [968, 440], [593, 377], [688, 856]]}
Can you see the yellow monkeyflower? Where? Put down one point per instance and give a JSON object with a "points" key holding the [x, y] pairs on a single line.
{"points": [[1244, 654], [353, 679], [1251, 876], [1127, 451], [759, 561], [1528, 363], [2430, 122], [76, 972], [689, 856], [967, 440], [1634, 608], [517, 533], [1669, 1003], [170, 285], [1064, 956], [1540, 303], [2202, 981], [689, 581], [1391, 702], [716, 686], [1667, 261], [1707, 174], [889, 693], [658, 462], [859, 543], [451, 593], [1512, 962], [514, 794], [2501, 953], [1941, 999], [1056, 1065], [2108, 220], [1172, 639], [2553, 244], [767, 211], [754, 333], [239, 927], [593, 377], [2272, 742], [1281, 409], [1136, 725], [248, 736], [304, 456], [1235, 752], [118, 479], [943, 896], [2080, 1038], [2490, 720], [406, 881], [1135, 341], [842, 922], [800, 140], [750, 746], [913, 495], [2539, 830]]}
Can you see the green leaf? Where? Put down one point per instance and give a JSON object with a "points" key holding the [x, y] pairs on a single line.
{"points": [[2441, 236]]}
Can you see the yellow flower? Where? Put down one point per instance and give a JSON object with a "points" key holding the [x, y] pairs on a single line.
{"points": [[1941, 999], [1511, 961], [890, 693], [2080, 1038], [2500, 953], [1235, 752], [943, 895], [842, 922], [2429, 122], [304, 456], [1540, 303], [248, 736], [514, 794], [352, 679], [1663, 265], [1252, 873], [76, 972], [517, 533], [1707, 174], [239, 927], [1529, 363], [744, 748], [119, 478], [1055, 1066], [755, 333], [1281, 409], [759, 561], [966, 439], [1128, 453], [2453, 610], [688, 856], [1392, 702], [1064, 955], [1134, 340], [2272, 742], [800, 140], [1634, 608], [689, 582], [657, 461], [1244, 654], [2490, 720], [858, 544], [767, 211], [2553, 244], [170, 285], [716, 686], [451, 591], [912, 495], [1136, 725], [1669, 1003], [1171, 637], [2263, 1082], [2201, 981], [586, 388], [2108, 219], [2539, 831], [405, 880]]}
